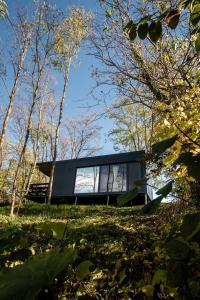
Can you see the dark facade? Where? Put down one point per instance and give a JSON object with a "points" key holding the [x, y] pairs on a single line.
{"points": [[97, 179]]}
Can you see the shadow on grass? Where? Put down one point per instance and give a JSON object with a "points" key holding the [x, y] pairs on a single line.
{"points": [[106, 236], [78, 211]]}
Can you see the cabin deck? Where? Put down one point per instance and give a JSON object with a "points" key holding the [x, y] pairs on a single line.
{"points": [[38, 193]]}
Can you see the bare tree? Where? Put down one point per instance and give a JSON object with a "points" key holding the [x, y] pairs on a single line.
{"points": [[68, 39], [42, 46], [22, 31], [142, 71], [80, 137], [40, 136], [160, 75]]}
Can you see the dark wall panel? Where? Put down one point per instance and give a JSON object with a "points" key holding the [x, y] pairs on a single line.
{"points": [[65, 171], [135, 172], [64, 179]]}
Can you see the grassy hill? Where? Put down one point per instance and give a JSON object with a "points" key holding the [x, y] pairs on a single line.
{"points": [[119, 253]]}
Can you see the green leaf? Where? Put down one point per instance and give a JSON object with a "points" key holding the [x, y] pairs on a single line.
{"points": [[175, 273], [195, 30], [184, 3], [190, 229], [140, 181], [5, 244], [195, 15], [178, 249], [21, 255], [197, 44], [57, 229], [128, 25], [130, 28], [132, 32], [25, 281], [159, 277], [155, 31], [12, 240], [160, 147], [191, 162], [125, 198], [148, 290], [3, 9], [172, 18], [152, 206], [83, 269], [165, 190], [143, 30], [109, 13]]}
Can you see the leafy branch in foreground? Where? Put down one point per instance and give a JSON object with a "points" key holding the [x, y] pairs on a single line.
{"points": [[127, 197], [151, 26], [26, 281], [159, 148], [153, 205], [3, 9]]}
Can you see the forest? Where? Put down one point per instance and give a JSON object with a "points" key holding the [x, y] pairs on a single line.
{"points": [[145, 65]]}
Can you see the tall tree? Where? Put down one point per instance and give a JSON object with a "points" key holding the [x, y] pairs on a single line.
{"points": [[73, 31], [149, 55], [21, 31], [45, 24], [134, 125], [40, 136], [155, 64]]}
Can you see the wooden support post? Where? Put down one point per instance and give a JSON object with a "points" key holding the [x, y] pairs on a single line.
{"points": [[145, 199], [108, 198], [76, 200]]}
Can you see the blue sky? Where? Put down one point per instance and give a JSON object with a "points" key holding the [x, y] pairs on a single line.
{"points": [[80, 83]]}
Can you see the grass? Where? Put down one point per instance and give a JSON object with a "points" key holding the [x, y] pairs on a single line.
{"points": [[82, 214], [117, 241], [101, 226]]}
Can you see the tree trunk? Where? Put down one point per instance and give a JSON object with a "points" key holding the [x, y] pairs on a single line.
{"points": [[33, 166], [21, 159], [11, 100], [50, 186], [34, 100]]}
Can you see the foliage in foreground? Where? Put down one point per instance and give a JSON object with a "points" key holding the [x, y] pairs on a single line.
{"points": [[150, 54], [106, 253]]}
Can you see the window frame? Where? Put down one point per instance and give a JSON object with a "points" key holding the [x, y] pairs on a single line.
{"points": [[98, 192], [94, 166]]}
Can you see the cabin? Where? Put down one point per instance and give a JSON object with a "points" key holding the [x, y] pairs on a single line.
{"points": [[93, 180]]}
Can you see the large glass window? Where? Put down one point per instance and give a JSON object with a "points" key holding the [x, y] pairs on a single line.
{"points": [[87, 180], [104, 176], [113, 178], [108, 178]]}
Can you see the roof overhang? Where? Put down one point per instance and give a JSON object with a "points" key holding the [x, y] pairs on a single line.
{"points": [[45, 167], [136, 156]]}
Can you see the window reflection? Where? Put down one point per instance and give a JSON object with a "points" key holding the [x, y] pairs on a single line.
{"points": [[87, 180], [112, 178], [104, 176]]}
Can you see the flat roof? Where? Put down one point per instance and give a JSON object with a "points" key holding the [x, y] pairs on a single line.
{"points": [[135, 156]]}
